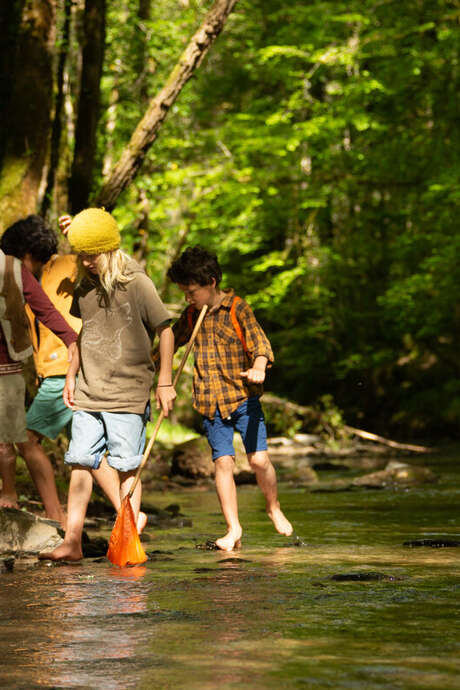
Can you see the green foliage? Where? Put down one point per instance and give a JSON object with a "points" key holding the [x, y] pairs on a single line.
{"points": [[317, 152]]}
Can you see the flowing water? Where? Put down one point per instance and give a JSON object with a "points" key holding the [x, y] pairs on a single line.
{"points": [[280, 613]]}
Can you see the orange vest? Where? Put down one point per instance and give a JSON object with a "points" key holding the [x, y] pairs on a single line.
{"points": [[58, 281]]}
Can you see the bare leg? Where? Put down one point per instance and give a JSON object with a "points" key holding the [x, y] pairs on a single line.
{"points": [[42, 473], [126, 480], [266, 479], [109, 480], [81, 484], [8, 495], [226, 491]]}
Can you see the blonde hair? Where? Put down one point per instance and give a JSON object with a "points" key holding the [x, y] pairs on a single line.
{"points": [[111, 270]]}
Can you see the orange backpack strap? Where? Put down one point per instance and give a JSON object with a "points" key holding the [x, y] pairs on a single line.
{"points": [[236, 324]]}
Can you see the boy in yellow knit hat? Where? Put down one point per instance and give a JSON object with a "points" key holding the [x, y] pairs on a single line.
{"points": [[121, 312]]}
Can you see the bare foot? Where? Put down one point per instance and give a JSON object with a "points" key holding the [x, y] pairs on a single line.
{"points": [[9, 501], [141, 522], [282, 524], [232, 540], [67, 551]]}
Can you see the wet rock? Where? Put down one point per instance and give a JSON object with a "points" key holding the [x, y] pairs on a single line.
{"points": [[210, 545], [303, 474], [325, 465], [397, 474], [438, 543], [157, 555], [7, 565], [333, 486], [94, 547], [193, 460], [284, 450], [245, 477], [353, 463], [174, 509], [23, 532], [363, 577]]}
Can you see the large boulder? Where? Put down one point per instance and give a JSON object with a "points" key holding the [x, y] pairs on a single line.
{"points": [[24, 533], [193, 459]]}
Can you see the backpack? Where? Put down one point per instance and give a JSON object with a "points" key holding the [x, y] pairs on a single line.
{"points": [[236, 325]]}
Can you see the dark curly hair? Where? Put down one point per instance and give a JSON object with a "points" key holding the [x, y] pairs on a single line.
{"points": [[32, 236], [195, 265]]}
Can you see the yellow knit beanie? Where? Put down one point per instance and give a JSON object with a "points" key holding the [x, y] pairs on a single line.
{"points": [[93, 231]]}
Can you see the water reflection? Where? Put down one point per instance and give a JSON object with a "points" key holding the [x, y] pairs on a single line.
{"points": [[270, 616], [88, 625]]}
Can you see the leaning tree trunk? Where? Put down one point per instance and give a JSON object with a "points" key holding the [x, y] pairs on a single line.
{"points": [[147, 130], [88, 105], [27, 119]]}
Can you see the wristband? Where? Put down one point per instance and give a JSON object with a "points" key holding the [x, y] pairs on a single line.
{"points": [[164, 385]]}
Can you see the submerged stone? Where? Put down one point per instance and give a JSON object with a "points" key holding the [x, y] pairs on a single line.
{"points": [[210, 545], [7, 565], [363, 577], [433, 543], [397, 474], [95, 547]]}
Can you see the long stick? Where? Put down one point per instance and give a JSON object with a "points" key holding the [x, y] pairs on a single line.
{"points": [[148, 448]]}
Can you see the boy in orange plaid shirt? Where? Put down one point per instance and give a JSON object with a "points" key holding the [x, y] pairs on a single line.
{"points": [[231, 355]]}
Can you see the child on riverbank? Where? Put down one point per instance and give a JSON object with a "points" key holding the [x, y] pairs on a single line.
{"points": [[228, 375], [17, 287], [121, 312]]}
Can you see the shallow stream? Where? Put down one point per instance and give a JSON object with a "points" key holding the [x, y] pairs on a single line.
{"points": [[280, 613]]}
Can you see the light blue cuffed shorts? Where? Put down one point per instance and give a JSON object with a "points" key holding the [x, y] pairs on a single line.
{"points": [[48, 415], [122, 434]]}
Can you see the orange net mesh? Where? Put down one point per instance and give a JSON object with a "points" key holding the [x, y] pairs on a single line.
{"points": [[125, 547]]}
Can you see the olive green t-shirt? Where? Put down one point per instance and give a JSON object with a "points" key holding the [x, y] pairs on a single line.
{"points": [[116, 370]]}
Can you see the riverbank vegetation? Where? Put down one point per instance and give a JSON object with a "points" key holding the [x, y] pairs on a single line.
{"points": [[314, 146]]}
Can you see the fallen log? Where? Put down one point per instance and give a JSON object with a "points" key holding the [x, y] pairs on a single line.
{"points": [[386, 441]]}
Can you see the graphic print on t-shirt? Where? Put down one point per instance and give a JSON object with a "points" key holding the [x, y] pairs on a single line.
{"points": [[106, 341]]}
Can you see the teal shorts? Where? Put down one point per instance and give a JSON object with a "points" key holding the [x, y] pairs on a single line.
{"points": [[48, 415]]}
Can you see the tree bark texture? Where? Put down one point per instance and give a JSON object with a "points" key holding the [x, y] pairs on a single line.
{"points": [[88, 105], [28, 112], [56, 132], [10, 25], [147, 130]]}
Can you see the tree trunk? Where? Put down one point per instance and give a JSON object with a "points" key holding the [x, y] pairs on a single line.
{"points": [[58, 108], [10, 25], [147, 130], [88, 105], [28, 114]]}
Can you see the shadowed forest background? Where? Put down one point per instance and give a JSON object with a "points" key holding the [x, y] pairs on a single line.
{"points": [[314, 147]]}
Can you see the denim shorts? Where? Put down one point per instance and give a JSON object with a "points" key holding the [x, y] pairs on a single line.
{"points": [[248, 419], [48, 415], [121, 434]]}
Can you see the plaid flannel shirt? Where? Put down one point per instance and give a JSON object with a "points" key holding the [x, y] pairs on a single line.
{"points": [[220, 357]]}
